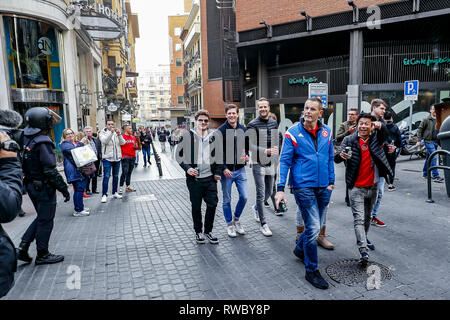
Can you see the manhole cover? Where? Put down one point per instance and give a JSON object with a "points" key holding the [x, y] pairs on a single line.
{"points": [[350, 272]]}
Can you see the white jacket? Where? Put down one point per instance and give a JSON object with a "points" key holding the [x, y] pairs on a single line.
{"points": [[111, 143]]}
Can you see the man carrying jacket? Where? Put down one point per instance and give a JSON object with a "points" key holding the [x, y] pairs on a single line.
{"points": [[112, 155], [234, 158], [365, 165], [10, 206], [428, 133], [308, 154], [196, 156], [263, 143]]}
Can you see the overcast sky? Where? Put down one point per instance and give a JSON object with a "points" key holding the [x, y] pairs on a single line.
{"points": [[152, 48]]}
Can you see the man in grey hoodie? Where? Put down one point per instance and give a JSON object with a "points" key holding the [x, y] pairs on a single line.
{"points": [[196, 155]]}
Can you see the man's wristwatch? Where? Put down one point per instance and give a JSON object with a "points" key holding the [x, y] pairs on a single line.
{"points": [[10, 145]]}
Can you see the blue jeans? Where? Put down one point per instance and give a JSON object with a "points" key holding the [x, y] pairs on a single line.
{"points": [[107, 165], [146, 154], [313, 204], [431, 147], [240, 178], [380, 195], [78, 190]]}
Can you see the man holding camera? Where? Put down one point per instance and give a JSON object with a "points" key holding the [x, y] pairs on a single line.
{"points": [[42, 179], [10, 198]]}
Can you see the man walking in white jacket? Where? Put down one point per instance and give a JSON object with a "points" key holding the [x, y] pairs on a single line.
{"points": [[112, 155]]}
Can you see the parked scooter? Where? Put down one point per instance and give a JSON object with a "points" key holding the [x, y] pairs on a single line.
{"points": [[409, 145]]}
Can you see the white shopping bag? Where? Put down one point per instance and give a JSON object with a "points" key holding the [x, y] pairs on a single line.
{"points": [[83, 155]]}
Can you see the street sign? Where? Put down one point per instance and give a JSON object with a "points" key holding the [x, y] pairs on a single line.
{"points": [[412, 90], [319, 90]]}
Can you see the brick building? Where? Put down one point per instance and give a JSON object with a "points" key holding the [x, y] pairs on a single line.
{"points": [[363, 51]]}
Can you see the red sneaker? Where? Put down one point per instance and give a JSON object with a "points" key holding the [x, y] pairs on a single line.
{"points": [[377, 222], [85, 195]]}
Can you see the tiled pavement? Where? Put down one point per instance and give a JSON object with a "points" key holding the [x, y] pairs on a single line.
{"points": [[143, 247]]}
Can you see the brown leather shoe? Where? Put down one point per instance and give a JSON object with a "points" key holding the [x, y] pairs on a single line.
{"points": [[322, 240], [299, 232]]}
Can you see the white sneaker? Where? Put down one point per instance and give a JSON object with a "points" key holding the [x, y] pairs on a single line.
{"points": [[255, 211], [117, 196], [231, 231], [83, 213], [238, 227], [104, 198], [87, 209], [265, 230], [120, 190]]}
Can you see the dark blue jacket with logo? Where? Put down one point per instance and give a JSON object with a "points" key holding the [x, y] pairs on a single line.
{"points": [[309, 159]]}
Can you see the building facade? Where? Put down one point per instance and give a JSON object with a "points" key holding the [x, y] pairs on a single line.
{"points": [[51, 58], [361, 53], [154, 98]]}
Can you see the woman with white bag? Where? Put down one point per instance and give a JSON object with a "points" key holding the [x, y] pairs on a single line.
{"points": [[73, 175]]}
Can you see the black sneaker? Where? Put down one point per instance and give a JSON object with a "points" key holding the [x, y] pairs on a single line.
{"points": [[315, 278], [212, 238], [23, 255], [299, 254], [438, 180], [200, 237], [266, 204], [370, 245], [364, 258], [391, 188], [49, 258]]}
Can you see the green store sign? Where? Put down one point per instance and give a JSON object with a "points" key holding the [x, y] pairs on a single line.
{"points": [[425, 61], [303, 81]]}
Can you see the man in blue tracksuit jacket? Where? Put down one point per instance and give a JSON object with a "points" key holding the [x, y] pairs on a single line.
{"points": [[308, 154]]}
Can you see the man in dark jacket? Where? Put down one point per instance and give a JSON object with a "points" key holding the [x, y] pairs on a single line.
{"points": [[196, 155], [146, 140], [395, 142], [10, 203], [264, 145], [348, 127], [235, 156], [366, 163], [162, 137], [428, 133], [96, 145]]}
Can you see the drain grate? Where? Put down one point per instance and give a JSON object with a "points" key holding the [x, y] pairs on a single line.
{"points": [[350, 272]]}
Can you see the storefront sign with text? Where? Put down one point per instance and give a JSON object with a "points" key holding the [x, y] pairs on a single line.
{"points": [[303, 81], [425, 61]]}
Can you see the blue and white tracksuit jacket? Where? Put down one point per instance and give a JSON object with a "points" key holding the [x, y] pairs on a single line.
{"points": [[310, 160]]}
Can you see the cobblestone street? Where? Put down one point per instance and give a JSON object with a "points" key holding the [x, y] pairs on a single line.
{"points": [[143, 246]]}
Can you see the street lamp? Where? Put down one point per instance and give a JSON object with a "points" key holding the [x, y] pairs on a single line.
{"points": [[355, 11], [102, 100], [118, 72], [308, 20]]}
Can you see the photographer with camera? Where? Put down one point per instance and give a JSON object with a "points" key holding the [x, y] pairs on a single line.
{"points": [[42, 179], [10, 194]]}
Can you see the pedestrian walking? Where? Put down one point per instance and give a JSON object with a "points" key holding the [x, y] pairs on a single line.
{"points": [[146, 140], [308, 154], [202, 174], [128, 158], [235, 157], [366, 164], [139, 146], [345, 129], [395, 142], [162, 137], [379, 108], [73, 175], [111, 140], [263, 144], [41, 179], [427, 135], [278, 212], [96, 145]]}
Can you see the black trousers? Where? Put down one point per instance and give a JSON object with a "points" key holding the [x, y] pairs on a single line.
{"points": [[203, 189], [392, 159], [94, 178], [127, 170], [44, 201]]}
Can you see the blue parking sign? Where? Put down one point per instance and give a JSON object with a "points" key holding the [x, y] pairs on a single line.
{"points": [[412, 90]]}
